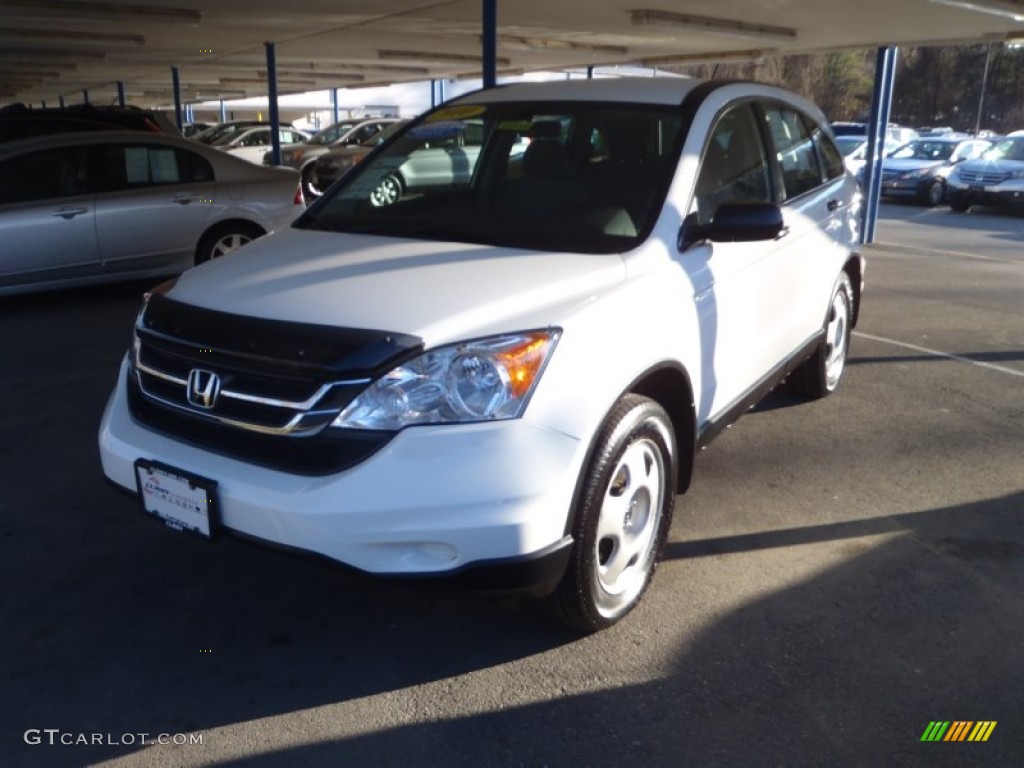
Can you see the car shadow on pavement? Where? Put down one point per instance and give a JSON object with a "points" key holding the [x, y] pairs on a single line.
{"points": [[846, 668]]}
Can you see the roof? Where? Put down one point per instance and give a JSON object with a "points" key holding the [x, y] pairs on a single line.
{"points": [[53, 48]]}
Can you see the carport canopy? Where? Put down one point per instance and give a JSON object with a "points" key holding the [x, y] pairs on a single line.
{"points": [[62, 49]]}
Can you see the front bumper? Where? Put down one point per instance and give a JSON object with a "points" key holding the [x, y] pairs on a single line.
{"points": [[476, 506], [1008, 193]]}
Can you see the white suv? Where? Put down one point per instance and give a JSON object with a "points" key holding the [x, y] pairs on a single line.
{"points": [[500, 380]]}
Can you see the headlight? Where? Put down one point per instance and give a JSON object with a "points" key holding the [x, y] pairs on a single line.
{"points": [[920, 173], [1016, 174], [480, 380]]}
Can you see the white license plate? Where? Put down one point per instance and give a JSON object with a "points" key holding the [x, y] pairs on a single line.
{"points": [[185, 502]]}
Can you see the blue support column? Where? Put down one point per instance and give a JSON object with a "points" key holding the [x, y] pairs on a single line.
{"points": [[881, 101], [490, 41], [176, 81], [44, 103], [590, 73], [120, 92], [85, 96], [275, 123], [61, 101], [334, 106], [223, 112], [440, 91], [433, 93]]}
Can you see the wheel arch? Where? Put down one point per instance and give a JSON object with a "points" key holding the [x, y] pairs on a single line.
{"points": [[667, 384]]}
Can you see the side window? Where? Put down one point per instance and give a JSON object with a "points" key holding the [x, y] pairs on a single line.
{"points": [[255, 139], [131, 167], [794, 150], [734, 168], [51, 173], [831, 157]]}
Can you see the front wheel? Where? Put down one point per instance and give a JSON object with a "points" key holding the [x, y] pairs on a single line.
{"points": [[935, 193], [959, 203], [622, 516], [820, 374]]}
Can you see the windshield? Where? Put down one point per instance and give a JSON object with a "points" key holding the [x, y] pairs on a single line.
{"points": [[849, 144], [332, 133], [1008, 149], [925, 150], [581, 177]]}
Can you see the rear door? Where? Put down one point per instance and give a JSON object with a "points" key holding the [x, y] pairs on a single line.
{"points": [[47, 216], [154, 205], [814, 196]]}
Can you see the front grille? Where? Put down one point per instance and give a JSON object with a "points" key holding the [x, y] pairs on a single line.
{"points": [[333, 450], [988, 178], [278, 384]]}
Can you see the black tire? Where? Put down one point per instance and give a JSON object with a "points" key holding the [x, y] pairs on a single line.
{"points": [[310, 184], [622, 517], [820, 374], [934, 193], [388, 192], [225, 238], [958, 203]]}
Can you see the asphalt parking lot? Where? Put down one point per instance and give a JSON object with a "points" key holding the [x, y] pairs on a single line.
{"points": [[840, 574]]}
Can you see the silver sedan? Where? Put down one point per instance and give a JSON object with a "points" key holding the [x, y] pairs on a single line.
{"points": [[78, 209]]}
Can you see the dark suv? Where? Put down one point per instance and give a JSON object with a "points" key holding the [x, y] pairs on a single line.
{"points": [[20, 122]]}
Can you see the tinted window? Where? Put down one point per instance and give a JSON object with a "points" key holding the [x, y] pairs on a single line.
{"points": [[734, 168], [794, 150], [51, 173], [128, 167]]}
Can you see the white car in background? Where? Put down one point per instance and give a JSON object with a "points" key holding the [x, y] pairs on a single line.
{"points": [[95, 207], [499, 381], [251, 143]]}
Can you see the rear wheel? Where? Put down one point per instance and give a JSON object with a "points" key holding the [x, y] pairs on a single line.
{"points": [[310, 184], [388, 192], [622, 517], [820, 374], [225, 238]]}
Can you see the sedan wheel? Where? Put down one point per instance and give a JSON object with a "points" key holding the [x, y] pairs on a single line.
{"points": [[388, 192], [225, 239], [821, 373], [935, 193]]}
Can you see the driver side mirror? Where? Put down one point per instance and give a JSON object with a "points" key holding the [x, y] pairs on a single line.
{"points": [[734, 223]]}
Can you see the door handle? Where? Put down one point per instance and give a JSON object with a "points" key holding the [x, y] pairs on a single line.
{"points": [[69, 212], [183, 199], [833, 205]]}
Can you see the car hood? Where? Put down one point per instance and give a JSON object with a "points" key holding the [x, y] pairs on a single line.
{"points": [[992, 166], [908, 164], [435, 290]]}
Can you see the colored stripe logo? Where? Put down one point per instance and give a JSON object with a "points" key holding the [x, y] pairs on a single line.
{"points": [[958, 730]]}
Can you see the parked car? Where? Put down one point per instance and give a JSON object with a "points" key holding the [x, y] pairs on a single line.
{"points": [[351, 132], [331, 166], [855, 152], [894, 133], [190, 130], [17, 122], [996, 178], [216, 132], [251, 143], [501, 382], [918, 170], [84, 208]]}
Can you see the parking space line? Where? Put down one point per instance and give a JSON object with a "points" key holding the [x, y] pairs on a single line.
{"points": [[937, 353]]}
